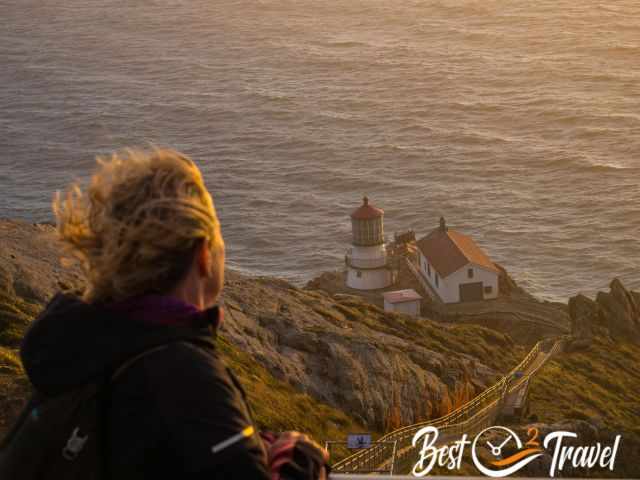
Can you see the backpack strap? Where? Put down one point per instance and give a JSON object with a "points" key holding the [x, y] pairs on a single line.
{"points": [[33, 401], [105, 402], [128, 363]]}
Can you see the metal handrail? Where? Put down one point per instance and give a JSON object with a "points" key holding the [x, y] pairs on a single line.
{"points": [[486, 417], [475, 411]]}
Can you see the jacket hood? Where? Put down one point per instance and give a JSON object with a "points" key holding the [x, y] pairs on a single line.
{"points": [[73, 342]]}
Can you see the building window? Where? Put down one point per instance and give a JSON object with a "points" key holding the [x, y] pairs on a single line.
{"points": [[428, 269], [488, 289], [470, 273], [358, 273], [437, 283]]}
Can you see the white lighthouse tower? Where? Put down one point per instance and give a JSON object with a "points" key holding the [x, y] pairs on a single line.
{"points": [[367, 266]]}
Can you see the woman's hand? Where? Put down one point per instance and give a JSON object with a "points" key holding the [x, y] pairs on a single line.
{"points": [[295, 455]]}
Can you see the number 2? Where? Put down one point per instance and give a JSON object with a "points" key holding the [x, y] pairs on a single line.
{"points": [[533, 437]]}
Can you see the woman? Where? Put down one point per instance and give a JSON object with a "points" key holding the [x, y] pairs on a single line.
{"points": [[148, 239]]}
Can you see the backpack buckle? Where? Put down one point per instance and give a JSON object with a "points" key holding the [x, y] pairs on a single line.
{"points": [[74, 445]]}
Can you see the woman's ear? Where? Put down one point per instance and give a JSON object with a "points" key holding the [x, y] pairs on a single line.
{"points": [[203, 259]]}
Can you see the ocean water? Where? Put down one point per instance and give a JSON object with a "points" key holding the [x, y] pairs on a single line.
{"points": [[518, 121]]}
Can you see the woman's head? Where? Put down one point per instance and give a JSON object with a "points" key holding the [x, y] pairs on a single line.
{"points": [[146, 223]]}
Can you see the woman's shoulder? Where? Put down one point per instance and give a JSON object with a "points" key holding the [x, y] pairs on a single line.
{"points": [[196, 402], [174, 372], [184, 362], [184, 382]]}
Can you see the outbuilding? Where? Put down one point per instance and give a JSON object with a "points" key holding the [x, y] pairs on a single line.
{"points": [[402, 301], [455, 267]]}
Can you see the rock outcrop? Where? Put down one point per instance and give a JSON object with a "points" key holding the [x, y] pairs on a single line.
{"points": [[30, 262], [616, 313], [506, 284], [620, 311], [349, 353], [584, 316]]}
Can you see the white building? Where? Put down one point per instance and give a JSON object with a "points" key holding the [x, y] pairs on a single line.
{"points": [[455, 267], [402, 301], [366, 260]]}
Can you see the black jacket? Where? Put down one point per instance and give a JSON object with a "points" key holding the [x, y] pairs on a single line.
{"points": [[168, 409]]}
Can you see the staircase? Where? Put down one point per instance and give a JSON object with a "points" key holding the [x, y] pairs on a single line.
{"points": [[470, 418]]}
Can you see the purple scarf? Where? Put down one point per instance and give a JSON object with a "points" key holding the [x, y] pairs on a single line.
{"points": [[157, 309]]}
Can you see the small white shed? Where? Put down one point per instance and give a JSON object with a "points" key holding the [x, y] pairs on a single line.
{"points": [[402, 301]]}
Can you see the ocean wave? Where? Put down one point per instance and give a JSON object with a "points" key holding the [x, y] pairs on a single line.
{"points": [[595, 132], [584, 163], [345, 44], [623, 49], [396, 147], [341, 116], [415, 129], [459, 7], [271, 95], [608, 7], [581, 118], [476, 137], [609, 167], [477, 106]]}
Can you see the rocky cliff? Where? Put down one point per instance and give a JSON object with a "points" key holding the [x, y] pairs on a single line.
{"points": [[384, 369], [615, 313]]}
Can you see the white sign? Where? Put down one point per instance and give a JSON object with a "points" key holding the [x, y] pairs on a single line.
{"points": [[359, 440]]}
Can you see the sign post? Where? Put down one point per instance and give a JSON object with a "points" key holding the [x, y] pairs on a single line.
{"points": [[358, 440], [363, 442]]}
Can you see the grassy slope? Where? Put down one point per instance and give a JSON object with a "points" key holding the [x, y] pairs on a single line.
{"points": [[276, 405], [477, 341], [15, 315], [602, 382], [600, 385]]}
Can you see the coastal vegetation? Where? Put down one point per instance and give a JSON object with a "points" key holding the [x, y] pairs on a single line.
{"points": [[593, 392], [593, 386], [600, 383], [15, 315], [276, 405]]}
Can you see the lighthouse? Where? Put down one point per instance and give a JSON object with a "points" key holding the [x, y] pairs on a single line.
{"points": [[366, 260]]}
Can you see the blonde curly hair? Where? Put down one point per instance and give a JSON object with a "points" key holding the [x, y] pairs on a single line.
{"points": [[136, 227]]}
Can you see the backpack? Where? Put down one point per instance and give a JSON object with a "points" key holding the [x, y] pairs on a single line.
{"points": [[65, 436]]}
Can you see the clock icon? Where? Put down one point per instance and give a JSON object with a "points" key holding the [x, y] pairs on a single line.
{"points": [[496, 439], [497, 451]]}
